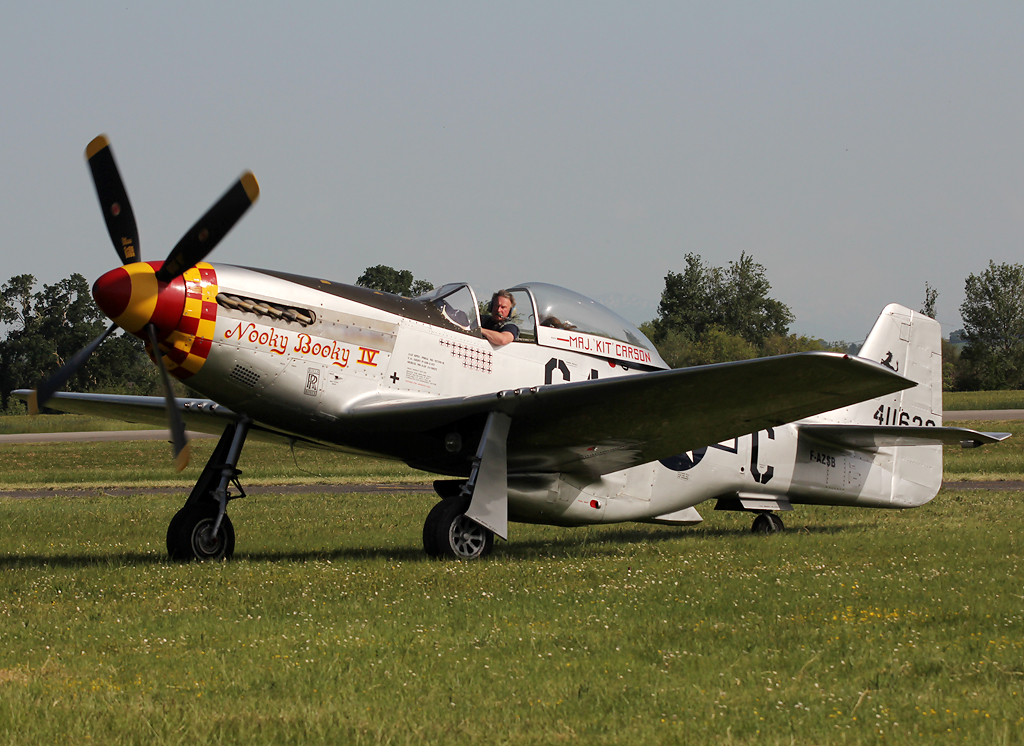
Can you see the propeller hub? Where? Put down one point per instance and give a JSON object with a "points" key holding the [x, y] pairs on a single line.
{"points": [[132, 297]]}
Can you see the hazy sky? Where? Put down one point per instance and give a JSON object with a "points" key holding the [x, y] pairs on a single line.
{"points": [[856, 150]]}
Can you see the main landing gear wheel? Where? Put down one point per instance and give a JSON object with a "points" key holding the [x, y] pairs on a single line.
{"points": [[449, 534], [767, 523], [190, 535]]}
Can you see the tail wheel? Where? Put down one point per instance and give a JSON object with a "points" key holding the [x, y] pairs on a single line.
{"points": [[449, 534], [767, 523], [190, 535]]}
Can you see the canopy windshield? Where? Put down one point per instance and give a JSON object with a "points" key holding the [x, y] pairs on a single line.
{"points": [[572, 321], [457, 303]]}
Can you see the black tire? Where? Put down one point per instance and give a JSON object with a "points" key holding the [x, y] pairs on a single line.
{"points": [[777, 522], [449, 534], [189, 535], [765, 524]]}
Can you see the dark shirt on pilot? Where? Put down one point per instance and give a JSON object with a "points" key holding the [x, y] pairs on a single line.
{"points": [[488, 322]]}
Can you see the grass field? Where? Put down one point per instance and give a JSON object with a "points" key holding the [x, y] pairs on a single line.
{"points": [[959, 400], [330, 626], [61, 423], [91, 465], [1002, 461]]}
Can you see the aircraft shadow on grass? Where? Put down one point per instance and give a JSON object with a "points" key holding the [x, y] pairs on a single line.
{"points": [[609, 544]]}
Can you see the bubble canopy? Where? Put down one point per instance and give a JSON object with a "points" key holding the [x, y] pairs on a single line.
{"points": [[567, 319], [553, 316]]}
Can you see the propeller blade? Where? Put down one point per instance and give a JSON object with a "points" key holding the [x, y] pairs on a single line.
{"points": [[179, 444], [55, 382], [117, 210], [211, 228]]}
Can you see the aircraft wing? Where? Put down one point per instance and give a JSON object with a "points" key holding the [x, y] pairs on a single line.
{"points": [[876, 436], [599, 426], [586, 427], [199, 415]]}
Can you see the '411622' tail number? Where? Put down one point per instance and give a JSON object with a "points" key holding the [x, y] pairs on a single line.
{"points": [[888, 416]]}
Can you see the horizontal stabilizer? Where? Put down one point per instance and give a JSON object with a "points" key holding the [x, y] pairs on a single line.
{"points": [[875, 436]]}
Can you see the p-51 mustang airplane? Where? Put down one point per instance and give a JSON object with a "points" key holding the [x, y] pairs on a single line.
{"points": [[579, 421]]}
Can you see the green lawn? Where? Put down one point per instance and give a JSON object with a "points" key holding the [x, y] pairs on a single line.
{"points": [[1003, 460], [61, 423], [148, 463], [952, 401], [855, 626], [330, 626]]}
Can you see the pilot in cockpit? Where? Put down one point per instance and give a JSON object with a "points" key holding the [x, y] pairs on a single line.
{"points": [[497, 327]]}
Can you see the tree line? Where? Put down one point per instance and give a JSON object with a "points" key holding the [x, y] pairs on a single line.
{"points": [[716, 314], [706, 314], [44, 328], [713, 314]]}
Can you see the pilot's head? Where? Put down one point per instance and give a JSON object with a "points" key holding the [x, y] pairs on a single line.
{"points": [[502, 305]]}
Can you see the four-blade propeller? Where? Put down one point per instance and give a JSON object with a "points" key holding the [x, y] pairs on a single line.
{"points": [[145, 286]]}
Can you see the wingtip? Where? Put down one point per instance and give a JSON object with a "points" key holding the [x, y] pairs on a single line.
{"points": [[98, 143]]}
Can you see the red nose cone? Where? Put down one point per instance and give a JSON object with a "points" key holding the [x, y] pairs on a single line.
{"points": [[112, 292]]}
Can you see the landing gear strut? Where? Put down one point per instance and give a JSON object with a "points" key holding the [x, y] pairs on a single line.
{"points": [[767, 523], [201, 530], [463, 525]]}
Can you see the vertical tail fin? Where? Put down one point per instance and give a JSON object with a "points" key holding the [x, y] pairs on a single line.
{"points": [[909, 343]]}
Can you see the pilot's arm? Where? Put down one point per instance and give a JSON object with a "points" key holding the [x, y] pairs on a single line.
{"points": [[496, 337]]}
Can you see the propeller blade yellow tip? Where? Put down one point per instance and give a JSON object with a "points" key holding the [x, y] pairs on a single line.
{"points": [[182, 459], [96, 146], [251, 186]]}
